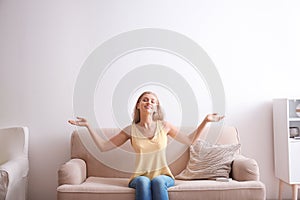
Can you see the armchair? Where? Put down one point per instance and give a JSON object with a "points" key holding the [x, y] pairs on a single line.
{"points": [[14, 164]]}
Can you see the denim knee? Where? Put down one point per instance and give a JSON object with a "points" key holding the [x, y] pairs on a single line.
{"points": [[158, 182], [160, 185], [143, 182], [162, 181], [140, 181], [142, 186]]}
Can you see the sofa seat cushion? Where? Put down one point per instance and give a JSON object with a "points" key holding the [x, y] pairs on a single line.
{"points": [[99, 185], [213, 190], [95, 187], [212, 185]]}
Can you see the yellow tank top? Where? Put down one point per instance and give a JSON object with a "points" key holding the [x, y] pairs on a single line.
{"points": [[150, 153]]}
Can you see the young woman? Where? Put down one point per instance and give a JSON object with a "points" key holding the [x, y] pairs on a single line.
{"points": [[148, 134]]}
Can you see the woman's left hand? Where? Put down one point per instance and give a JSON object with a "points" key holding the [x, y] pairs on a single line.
{"points": [[215, 117]]}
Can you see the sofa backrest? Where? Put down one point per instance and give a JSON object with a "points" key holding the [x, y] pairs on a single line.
{"points": [[120, 161]]}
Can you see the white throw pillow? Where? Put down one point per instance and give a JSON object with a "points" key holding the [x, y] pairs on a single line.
{"points": [[208, 161]]}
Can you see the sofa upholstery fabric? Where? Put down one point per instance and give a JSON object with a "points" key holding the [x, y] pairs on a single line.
{"points": [[103, 182]]}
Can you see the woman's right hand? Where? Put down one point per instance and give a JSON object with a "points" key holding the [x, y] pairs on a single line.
{"points": [[79, 122]]}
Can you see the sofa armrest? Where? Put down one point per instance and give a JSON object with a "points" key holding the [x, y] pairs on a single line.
{"points": [[72, 172], [245, 169]]}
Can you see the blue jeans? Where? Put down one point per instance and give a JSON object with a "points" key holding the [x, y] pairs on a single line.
{"points": [[155, 189]]}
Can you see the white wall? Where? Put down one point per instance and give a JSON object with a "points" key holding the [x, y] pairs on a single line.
{"points": [[255, 46]]}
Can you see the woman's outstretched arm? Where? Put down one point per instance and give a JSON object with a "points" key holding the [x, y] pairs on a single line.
{"points": [[190, 139], [103, 145]]}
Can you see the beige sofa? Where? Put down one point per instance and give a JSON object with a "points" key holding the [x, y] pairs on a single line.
{"points": [[84, 176]]}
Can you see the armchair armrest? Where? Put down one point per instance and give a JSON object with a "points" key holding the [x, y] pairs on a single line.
{"points": [[245, 169], [15, 170], [3, 184], [72, 172]]}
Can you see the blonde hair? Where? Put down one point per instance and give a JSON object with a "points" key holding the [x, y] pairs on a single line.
{"points": [[157, 114]]}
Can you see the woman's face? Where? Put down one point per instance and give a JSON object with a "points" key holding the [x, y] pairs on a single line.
{"points": [[148, 103]]}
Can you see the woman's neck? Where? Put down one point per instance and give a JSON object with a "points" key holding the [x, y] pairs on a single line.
{"points": [[146, 121]]}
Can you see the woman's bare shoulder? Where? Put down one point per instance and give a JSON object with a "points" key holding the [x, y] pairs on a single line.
{"points": [[166, 124], [127, 130]]}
